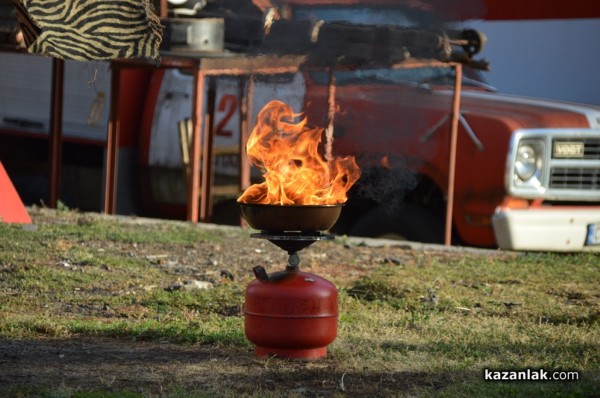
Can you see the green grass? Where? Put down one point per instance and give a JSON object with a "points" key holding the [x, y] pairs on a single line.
{"points": [[499, 312], [22, 392], [503, 313]]}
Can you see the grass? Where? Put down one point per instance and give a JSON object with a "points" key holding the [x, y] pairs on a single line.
{"points": [[442, 318], [506, 313]]}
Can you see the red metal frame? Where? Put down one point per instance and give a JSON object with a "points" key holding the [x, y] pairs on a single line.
{"points": [[197, 118], [199, 182], [55, 139], [245, 122], [452, 152], [112, 145], [199, 186]]}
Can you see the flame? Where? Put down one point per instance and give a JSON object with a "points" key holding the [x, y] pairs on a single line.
{"points": [[295, 172], [385, 162]]}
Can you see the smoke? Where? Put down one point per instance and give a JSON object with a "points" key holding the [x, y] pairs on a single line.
{"points": [[386, 181]]}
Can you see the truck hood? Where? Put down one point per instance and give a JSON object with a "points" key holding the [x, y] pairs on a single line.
{"points": [[527, 112]]}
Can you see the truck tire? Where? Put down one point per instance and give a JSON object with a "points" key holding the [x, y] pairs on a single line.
{"points": [[410, 222]]}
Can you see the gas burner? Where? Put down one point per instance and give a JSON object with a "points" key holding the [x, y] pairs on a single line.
{"points": [[293, 242]]}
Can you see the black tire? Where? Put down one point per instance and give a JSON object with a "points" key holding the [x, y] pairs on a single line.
{"points": [[410, 222]]}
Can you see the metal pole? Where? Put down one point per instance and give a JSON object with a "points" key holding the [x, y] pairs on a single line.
{"points": [[197, 119], [206, 182], [246, 112], [246, 121], [452, 152], [112, 144], [55, 143], [331, 116], [164, 13]]}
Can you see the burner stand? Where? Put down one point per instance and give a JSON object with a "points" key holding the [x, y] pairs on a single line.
{"points": [[292, 243]]}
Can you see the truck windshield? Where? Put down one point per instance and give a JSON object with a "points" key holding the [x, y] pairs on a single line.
{"points": [[406, 76]]}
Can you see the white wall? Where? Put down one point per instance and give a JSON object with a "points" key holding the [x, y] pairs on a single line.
{"points": [[557, 59], [25, 88]]}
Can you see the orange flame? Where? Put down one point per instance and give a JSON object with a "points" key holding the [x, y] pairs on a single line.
{"points": [[385, 162], [295, 172]]}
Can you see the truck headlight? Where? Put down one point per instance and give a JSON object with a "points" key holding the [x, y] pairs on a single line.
{"points": [[528, 162]]}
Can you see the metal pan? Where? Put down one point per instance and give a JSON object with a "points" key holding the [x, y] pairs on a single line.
{"points": [[302, 218]]}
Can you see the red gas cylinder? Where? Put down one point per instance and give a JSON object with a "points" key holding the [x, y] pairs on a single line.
{"points": [[291, 314]]}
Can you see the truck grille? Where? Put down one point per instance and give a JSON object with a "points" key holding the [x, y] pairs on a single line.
{"points": [[591, 146], [575, 178], [570, 165]]}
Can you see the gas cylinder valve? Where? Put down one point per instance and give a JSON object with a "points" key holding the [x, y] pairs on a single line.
{"points": [[260, 273]]}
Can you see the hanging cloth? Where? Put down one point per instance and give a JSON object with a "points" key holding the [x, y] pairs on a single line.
{"points": [[85, 30]]}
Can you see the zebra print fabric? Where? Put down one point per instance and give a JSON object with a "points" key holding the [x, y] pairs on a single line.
{"points": [[90, 29]]}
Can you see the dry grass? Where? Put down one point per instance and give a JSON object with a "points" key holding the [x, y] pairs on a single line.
{"points": [[87, 311]]}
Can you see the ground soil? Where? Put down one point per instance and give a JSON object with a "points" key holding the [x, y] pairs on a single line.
{"points": [[155, 368]]}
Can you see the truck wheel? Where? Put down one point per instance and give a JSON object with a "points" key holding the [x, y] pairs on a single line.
{"points": [[410, 222]]}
